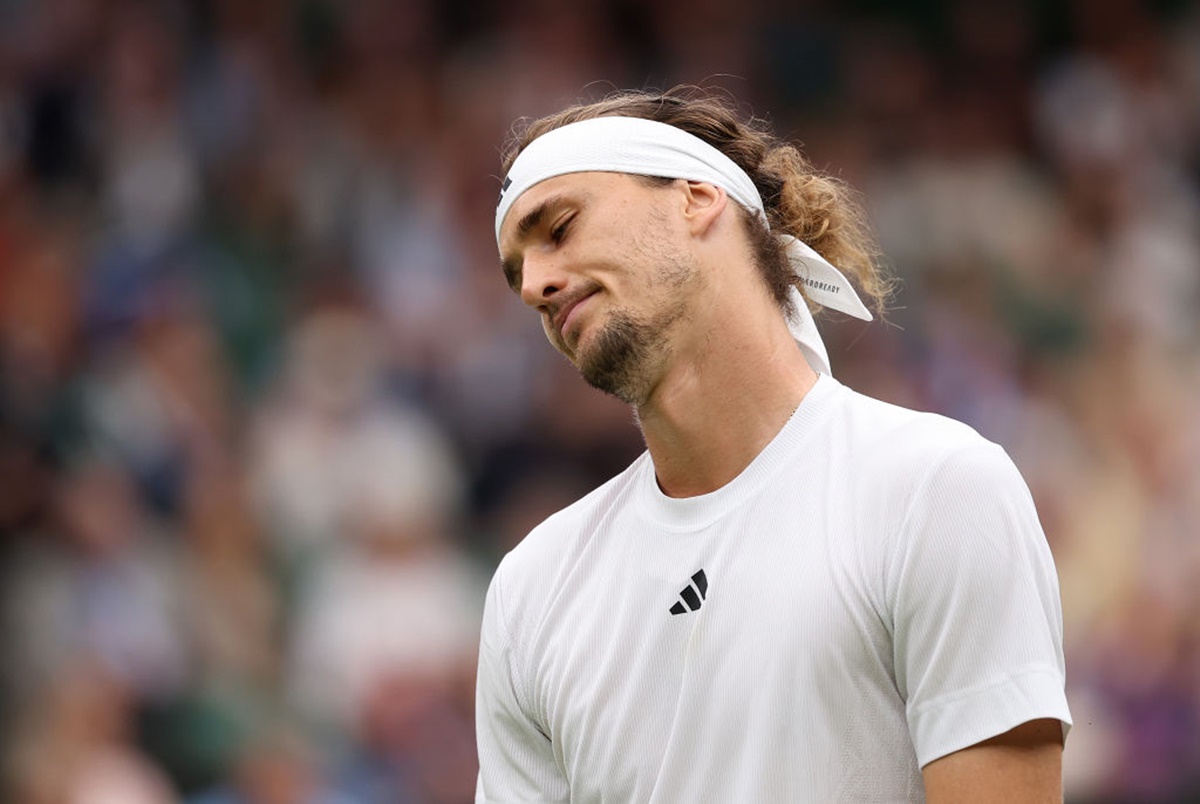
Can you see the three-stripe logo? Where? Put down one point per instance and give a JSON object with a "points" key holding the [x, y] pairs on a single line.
{"points": [[693, 594]]}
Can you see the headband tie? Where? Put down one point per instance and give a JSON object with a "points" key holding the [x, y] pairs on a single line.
{"points": [[649, 148]]}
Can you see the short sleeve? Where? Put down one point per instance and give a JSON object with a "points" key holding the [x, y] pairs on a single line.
{"points": [[516, 760], [975, 606]]}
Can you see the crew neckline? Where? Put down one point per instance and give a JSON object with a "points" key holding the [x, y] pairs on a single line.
{"points": [[693, 513]]}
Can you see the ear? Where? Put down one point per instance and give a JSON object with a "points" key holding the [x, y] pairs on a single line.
{"points": [[704, 203]]}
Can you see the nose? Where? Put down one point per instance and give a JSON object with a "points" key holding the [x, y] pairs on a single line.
{"points": [[542, 278]]}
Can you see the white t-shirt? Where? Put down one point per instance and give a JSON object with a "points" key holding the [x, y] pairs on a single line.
{"points": [[873, 592]]}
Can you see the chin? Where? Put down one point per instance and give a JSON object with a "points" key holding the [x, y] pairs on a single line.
{"points": [[615, 361]]}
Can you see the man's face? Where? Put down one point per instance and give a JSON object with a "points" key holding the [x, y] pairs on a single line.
{"points": [[604, 260]]}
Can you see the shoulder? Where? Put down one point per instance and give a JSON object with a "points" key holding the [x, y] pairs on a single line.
{"points": [[527, 576], [891, 426], [896, 471], [934, 486], [888, 442]]}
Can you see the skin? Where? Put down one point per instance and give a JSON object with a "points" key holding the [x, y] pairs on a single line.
{"points": [[707, 404], [1024, 764], [714, 374]]}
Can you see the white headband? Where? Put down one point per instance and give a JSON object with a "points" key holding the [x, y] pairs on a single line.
{"points": [[649, 148]]}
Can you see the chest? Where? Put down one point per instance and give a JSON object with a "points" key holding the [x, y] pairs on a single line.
{"points": [[664, 644]]}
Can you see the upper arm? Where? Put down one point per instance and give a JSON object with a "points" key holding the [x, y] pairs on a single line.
{"points": [[516, 759], [1023, 764]]}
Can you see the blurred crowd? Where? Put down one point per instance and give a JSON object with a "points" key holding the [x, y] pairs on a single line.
{"points": [[269, 415]]}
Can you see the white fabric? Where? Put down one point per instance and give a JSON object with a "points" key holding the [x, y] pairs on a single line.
{"points": [[879, 594], [649, 148], [624, 145], [824, 284]]}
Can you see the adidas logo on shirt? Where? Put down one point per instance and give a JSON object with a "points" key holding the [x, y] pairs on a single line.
{"points": [[692, 595]]}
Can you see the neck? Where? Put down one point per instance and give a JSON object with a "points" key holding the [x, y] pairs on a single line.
{"points": [[719, 404]]}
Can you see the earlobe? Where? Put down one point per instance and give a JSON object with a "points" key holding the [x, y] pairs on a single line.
{"points": [[704, 204]]}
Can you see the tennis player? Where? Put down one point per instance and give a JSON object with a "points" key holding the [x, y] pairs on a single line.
{"points": [[797, 593]]}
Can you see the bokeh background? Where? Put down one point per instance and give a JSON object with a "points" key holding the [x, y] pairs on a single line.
{"points": [[269, 416]]}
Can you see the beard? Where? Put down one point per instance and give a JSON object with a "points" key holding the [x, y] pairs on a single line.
{"points": [[619, 362], [627, 353]]}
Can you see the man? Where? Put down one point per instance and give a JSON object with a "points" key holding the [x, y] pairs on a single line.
{"points": [[797, 593]]}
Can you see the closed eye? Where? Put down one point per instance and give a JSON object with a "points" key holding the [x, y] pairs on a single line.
{"points": [[512, 268], [533, 222], [512, 275], [560, 231]]}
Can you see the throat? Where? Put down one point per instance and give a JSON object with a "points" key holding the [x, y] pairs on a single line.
{"points": [[699, 442]]}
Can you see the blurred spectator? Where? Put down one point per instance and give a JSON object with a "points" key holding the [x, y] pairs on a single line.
{"points": [[398, 598], [416, 740], [229, 599], [103, 583], [331, 436], [276, 768], [75, 745], [158, 400]]}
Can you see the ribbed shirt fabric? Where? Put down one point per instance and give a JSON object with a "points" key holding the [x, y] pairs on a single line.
{"points": [[877, 592]]}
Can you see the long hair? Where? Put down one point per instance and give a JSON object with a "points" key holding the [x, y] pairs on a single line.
{"points": [[815, 208]]}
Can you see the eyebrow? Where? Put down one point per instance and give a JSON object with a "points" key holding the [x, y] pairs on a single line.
{"points": [[529, 221], [532, 218]]}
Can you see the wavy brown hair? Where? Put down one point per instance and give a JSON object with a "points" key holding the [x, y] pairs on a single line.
{"points": [[813, 207]]}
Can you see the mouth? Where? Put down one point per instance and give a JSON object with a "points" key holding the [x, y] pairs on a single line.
{"points": [[567, 314]]}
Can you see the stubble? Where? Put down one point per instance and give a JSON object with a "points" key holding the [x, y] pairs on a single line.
{"points": [[619, 361], [628, 353]]}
